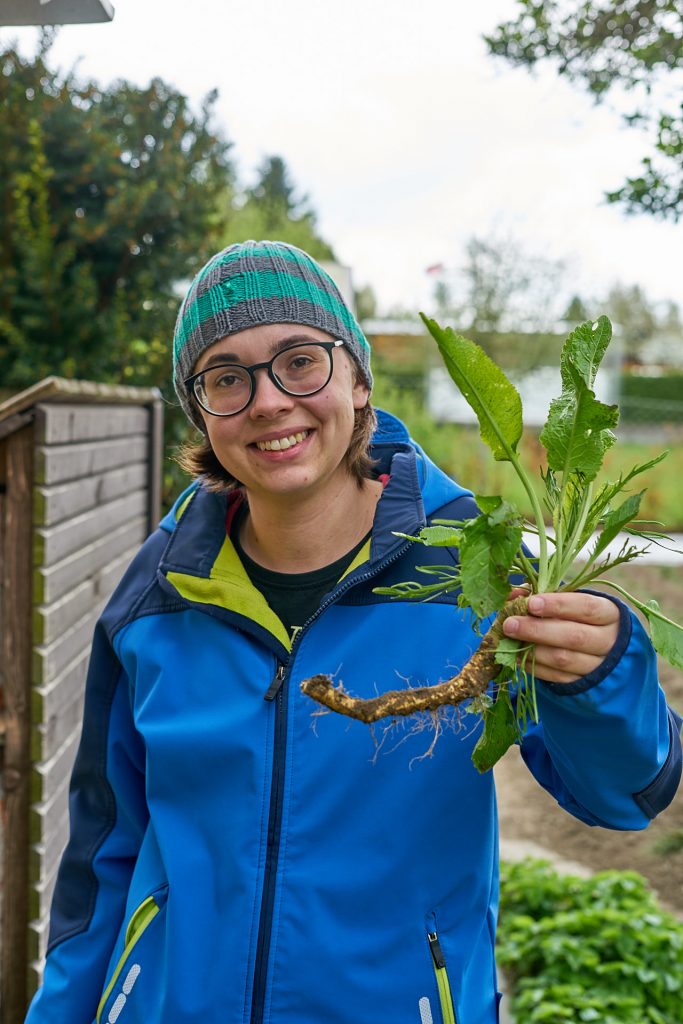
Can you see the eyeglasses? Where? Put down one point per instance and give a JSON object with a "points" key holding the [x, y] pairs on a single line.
{"points": [[228, 388]]}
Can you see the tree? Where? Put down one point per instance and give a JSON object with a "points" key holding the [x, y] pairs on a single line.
{"points": [[502, 287], [630, 309], [112, 199], [275, 192], [271, 208], [109, 200], [632, 46], [366, 302], [576, 312]]}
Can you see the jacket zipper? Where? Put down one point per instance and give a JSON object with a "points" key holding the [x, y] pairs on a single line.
{"points": [[278, 679], [277, 691], [445, 994]]}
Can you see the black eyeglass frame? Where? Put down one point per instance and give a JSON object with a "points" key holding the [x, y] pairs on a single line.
{"points": [[329, 346]]}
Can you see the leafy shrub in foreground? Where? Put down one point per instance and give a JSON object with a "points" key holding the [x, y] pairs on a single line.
{"points": [[600, 949]]}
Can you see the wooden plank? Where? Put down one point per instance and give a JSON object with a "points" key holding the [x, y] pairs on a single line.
{"points": [[53, 504], [52, 620], [15, 673], [57, 463], [53, 543], [50, 659], [48, 850], [13, 423], [155, 464], [65, 423], [37, 950], [45, 858], [49, 700], [46, 738], [40, 897], [49, 584], [48, 776], [45, 813]]}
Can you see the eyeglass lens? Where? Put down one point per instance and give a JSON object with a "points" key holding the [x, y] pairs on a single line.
{"points": [[301, 370]]}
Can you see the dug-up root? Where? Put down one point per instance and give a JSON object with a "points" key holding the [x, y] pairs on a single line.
{"points": [[472, 680]]}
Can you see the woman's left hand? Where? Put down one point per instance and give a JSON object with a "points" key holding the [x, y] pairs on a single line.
{"points": [[572, 633]]}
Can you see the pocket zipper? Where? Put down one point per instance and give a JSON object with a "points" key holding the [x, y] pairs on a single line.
{"points": [[442, 981], [140, 920]]}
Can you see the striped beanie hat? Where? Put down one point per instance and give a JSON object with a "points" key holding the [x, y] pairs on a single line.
{"points": [[254, 283]]}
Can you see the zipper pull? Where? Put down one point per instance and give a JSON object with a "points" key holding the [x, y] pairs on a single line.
{"points": [[278, 679], [437, 952]]}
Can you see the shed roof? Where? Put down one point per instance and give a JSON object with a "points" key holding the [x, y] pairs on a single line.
{"points": [[60, 389], [54, 12]]}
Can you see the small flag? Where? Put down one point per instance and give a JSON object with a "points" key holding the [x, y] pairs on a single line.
{"points": [[436, 268]]}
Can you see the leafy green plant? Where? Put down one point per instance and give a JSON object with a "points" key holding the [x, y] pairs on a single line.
{"points": [[600, 949], [577, 434]]}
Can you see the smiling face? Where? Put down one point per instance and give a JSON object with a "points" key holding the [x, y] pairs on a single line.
{"points": [[282, 445]]}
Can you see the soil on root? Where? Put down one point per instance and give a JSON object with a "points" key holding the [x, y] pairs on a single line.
{"points": [[471, 681], [528, 812]]}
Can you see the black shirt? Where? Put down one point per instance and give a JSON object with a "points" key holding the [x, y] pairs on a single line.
{"points": [[293, 596]]}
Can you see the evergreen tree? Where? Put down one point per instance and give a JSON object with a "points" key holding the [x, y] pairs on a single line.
{"points": [[109, 200]]}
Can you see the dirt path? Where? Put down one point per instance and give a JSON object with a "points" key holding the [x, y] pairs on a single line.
{"points": [[528, 812]]}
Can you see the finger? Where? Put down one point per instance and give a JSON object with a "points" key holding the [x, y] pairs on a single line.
{"points": [[567, 634], [578, 607], [556, 664], [551, 675]]}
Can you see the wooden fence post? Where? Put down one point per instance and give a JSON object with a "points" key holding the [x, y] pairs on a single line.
{"points": [[16, 466]]}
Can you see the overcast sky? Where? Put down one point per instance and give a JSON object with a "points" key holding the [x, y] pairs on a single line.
{"points": [[406, 135]]}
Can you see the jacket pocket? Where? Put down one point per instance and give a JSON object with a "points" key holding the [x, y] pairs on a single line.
{"points": [[441, 972], [128, 968]]}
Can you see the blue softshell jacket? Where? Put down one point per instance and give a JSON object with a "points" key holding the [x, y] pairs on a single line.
{"points": [[235, 858]]}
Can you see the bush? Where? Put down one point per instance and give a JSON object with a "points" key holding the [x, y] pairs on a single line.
{"points": [[600, 949], [651, 399]]}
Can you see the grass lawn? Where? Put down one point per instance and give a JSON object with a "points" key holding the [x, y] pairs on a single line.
{"points": [[462, 454]]}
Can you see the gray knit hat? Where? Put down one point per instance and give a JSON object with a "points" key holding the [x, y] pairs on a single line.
{"points": [[254, 283]]}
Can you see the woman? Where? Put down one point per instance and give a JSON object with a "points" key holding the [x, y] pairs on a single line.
{"points": [[234, 857]]}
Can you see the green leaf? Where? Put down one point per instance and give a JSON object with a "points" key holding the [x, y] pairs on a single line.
{"points": [[583, 351], [553, 492], [440, 536], [499, 511], [576, 434], [485, 387], [488, 502], [611, 489], [500, 732], [615, 521], [487, 553], [507, 652], [667, 636], [417, 591]]}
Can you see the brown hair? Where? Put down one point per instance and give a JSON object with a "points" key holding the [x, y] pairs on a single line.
{"points": [[199, 459]]}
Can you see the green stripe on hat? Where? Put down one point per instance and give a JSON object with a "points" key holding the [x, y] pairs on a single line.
{"points": [[269, 250], [236, 290]]}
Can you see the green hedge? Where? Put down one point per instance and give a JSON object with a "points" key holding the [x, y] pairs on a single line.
{"points": [[651, 400], [600, 949]]}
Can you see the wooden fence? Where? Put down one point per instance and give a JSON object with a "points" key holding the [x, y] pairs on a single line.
{"points": [[80, 470]]}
